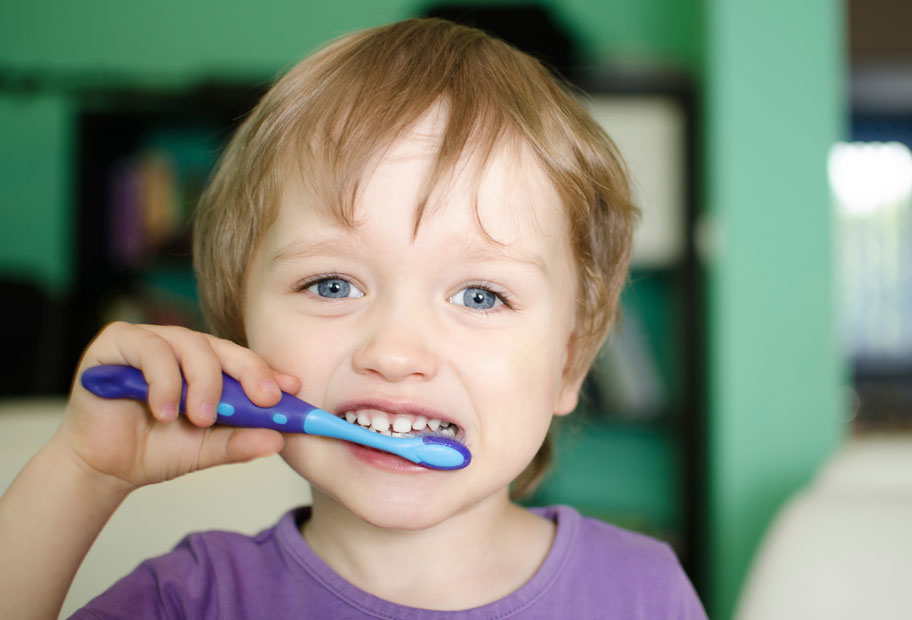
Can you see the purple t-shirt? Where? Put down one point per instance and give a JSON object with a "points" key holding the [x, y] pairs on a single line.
{"points": [[593, 570]]}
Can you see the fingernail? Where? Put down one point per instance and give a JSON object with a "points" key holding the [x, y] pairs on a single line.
{"points": [[206, 411], [269, 386], [168, 411]]}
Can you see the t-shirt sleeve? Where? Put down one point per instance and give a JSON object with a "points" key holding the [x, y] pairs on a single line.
{"points": [[684, 604], [636, 576], [174, 585]]}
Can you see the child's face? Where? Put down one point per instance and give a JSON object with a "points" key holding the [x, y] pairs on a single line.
{"points": [[445, 323]]}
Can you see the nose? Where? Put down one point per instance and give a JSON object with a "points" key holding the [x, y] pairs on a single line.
{"points": [[396, 347]]}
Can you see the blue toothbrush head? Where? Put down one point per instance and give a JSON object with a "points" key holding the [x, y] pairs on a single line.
{"points": [[443, 453]]}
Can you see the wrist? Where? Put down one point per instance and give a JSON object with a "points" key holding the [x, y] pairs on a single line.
{"points": [[49, 518], [104, 488]]}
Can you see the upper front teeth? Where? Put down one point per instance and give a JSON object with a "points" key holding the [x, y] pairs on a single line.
{"points": [[401, 425], [379, 422]]}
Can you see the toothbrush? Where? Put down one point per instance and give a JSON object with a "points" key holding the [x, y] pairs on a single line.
{"points": [[290, 415]]}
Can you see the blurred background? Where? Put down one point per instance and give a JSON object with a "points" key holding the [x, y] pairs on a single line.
{"points": [[768, 321]]}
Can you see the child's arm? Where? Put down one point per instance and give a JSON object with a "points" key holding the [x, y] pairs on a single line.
{"points": [[105, 449]]}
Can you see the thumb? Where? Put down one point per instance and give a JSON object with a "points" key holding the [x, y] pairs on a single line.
{"points": [[223, 445]]}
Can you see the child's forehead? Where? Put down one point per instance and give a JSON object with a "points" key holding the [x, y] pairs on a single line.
{"points": [[504, 212], [504, 190]]}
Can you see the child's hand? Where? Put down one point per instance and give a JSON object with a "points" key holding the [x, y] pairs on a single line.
{"points": [[129, 443]]}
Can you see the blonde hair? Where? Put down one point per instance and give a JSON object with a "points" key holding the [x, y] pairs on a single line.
{"points": [[335, 111]]}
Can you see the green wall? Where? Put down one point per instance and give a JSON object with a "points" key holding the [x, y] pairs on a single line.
{"points": [[171, 38], [55, 47], [35, 186], [774, 104]]}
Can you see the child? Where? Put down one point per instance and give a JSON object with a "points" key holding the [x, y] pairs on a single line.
{"points": [[415, 227]]}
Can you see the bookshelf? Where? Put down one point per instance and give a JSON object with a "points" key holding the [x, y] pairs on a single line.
{"points": [[632, 454], [143, 159]]}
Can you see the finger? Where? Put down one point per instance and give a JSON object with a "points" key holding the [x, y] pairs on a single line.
{"points": [[248, 444], [288, 383], [198, 367], [259, 380], [262, 384], [202, 371], [224, 445], [153, 355]]}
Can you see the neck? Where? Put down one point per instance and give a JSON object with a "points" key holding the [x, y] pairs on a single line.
{"points": [[490, 550]]}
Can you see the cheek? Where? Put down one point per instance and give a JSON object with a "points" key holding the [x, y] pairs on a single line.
{"points": [[525, 367], [304, 349], [288, 345], [516, 396]]}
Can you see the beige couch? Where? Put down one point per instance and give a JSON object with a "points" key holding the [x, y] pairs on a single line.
{"points": [[243, 498], [841, 549]]}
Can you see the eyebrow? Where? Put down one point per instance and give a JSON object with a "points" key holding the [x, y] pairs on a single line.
{"points": [[489, 252], [300, 249], [498, 252]]}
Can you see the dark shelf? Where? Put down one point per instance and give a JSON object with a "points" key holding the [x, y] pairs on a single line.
{"points": [[115, 277]]}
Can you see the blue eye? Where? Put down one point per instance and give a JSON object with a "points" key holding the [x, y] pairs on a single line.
{"points": [[476, 298], [334, 288]]}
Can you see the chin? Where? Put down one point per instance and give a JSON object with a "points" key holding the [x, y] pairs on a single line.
{"points": [[395, 518], [399, 506]]}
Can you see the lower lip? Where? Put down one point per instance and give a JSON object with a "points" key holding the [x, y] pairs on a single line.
{"points": [[384, 460]]}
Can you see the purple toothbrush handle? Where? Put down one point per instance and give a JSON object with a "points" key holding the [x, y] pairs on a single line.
{"points": [[234, 408], [112, 381]]}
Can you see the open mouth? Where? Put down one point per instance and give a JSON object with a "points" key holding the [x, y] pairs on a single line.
{"points": [[400, 424]]}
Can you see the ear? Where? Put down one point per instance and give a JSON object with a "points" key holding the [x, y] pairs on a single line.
{"points": [[571, 381]]}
